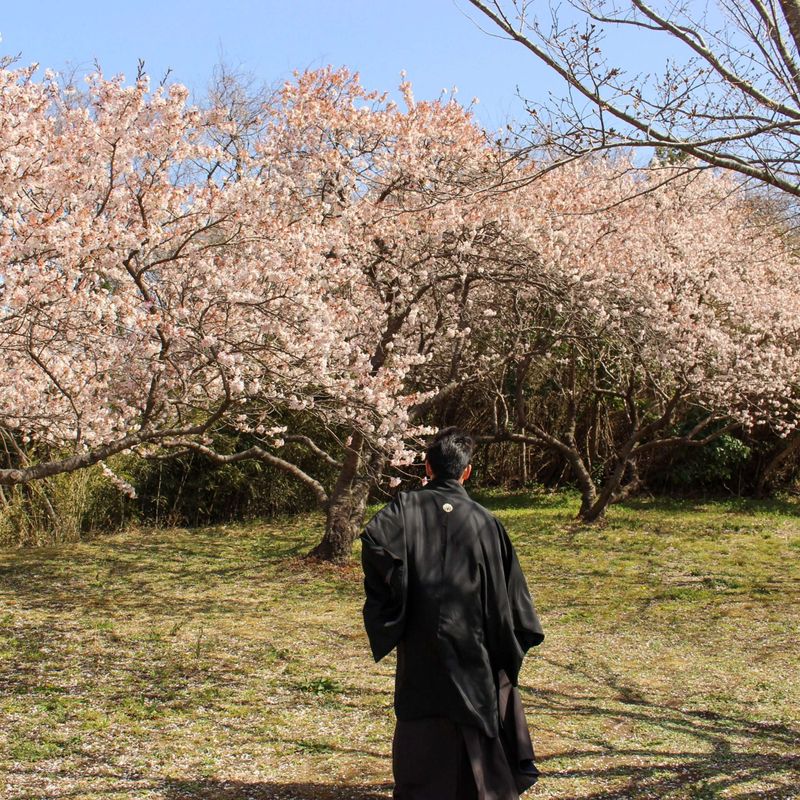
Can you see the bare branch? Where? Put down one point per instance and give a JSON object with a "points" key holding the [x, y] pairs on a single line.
{"points": [[732, 105], [254, 453], [314, 447]]}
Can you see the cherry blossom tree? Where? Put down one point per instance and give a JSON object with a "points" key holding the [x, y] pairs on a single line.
{"points": [[416, 207], [169, 269], [139, 300], [328, 253], [672, 297]]}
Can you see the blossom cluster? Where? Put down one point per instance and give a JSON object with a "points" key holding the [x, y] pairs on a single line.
{"points": [[165, 264]]}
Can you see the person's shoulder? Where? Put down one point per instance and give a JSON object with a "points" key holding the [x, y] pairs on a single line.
{"points": [[392, 508], [485, 515], [395, 503], [480, 509], [414, 494]]}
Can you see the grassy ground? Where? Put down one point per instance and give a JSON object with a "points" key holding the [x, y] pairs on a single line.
{"points": [[216, 664]]}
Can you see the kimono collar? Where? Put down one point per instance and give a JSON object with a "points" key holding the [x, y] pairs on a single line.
{"points": [[446, 485]]}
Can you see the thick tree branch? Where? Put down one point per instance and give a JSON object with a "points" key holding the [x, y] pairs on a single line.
{"points": [[688, 439]]}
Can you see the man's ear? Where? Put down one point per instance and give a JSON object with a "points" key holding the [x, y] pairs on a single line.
{"points": [[467, 472], [428, 470]]}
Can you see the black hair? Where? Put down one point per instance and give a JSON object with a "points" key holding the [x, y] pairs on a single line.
{"points": [[450, 452]]}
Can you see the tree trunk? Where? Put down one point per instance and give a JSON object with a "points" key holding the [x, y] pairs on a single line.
{"points": [[792, 447], [584, 478], [346, 505], [524, 459], [632, 485], [345, 519], [597, 509]]}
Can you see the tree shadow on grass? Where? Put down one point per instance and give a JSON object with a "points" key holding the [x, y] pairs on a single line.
{"points": [[134, 783], [747, 506], [167, 573], [529, 500], [641, 749], [176, 789], [701, 753]]}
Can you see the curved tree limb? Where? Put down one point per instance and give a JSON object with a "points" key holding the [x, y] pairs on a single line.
{"points": [[46, 469], [254, 453], [314, 447]]}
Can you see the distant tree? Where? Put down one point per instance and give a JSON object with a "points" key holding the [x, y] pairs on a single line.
{"points": [[669, 300]]}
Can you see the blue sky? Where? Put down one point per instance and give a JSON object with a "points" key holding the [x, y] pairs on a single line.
{"points": [[436, 42]]}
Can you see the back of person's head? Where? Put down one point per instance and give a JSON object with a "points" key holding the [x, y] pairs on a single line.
{"points": [[450, 452]]}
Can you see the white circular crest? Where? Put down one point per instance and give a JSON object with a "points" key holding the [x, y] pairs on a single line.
{"points": [[447, 507]]}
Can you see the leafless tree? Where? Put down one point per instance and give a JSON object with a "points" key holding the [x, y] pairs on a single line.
{"points": [[731, 100]]}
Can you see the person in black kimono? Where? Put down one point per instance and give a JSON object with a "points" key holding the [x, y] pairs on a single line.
{"points": [[444, 586]]}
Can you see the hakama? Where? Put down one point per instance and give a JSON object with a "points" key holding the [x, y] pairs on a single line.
{"points": [[437, 759]]}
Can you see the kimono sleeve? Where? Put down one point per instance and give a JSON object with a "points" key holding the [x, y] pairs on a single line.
{"points": [[527, 628], [383, 558]]}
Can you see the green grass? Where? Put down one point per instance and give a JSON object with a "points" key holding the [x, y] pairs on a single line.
{"points": [[215, 663]]}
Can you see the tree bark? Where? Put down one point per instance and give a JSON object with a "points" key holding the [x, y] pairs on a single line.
{"points": [[792, 447], [585, 483], [347, 504], [791, 13], [596, 510]]}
